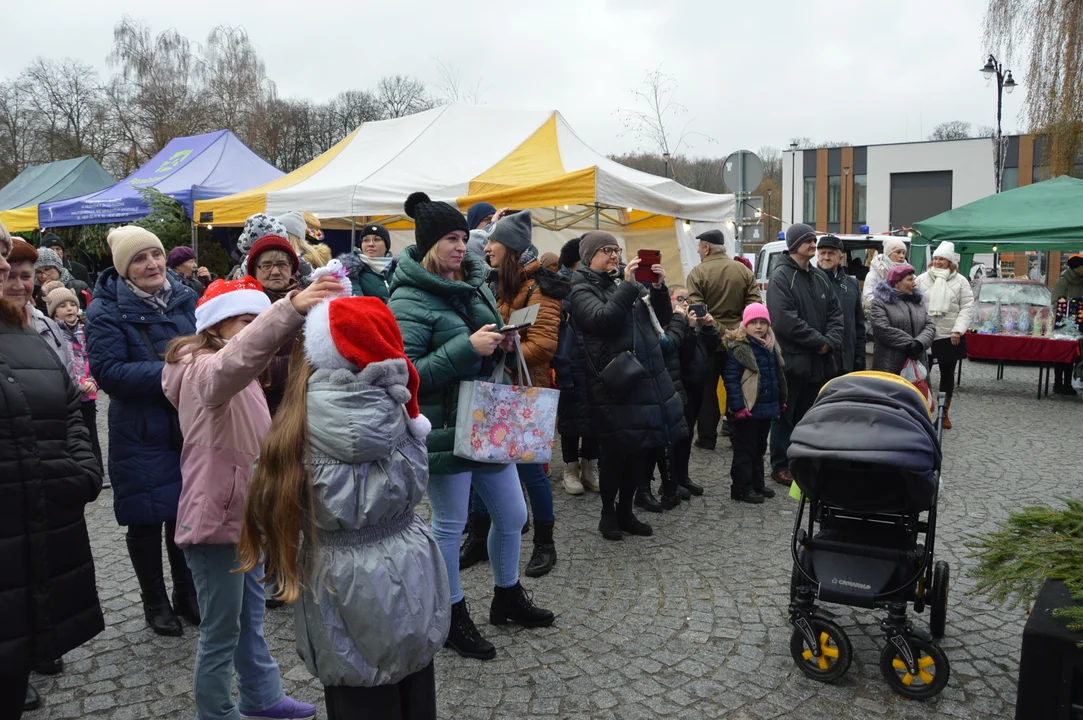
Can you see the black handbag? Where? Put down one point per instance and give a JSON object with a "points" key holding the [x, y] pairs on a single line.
{"points": [[623, 371]]}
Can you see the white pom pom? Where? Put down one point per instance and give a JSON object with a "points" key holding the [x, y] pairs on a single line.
{"points": [[419, 427]]}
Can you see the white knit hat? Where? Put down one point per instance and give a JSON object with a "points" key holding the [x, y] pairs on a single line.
{"points": [[892, 244], [294, 222], [946, 250], [128, 241], [224, 299]]}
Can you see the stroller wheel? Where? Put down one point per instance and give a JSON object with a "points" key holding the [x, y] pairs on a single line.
{"points": [[836, 652], [938, 603], [933, 670]]}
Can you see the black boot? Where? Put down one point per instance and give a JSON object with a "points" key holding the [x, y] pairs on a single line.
{"points": [[544, 556], [645, 499], [608, 526], [33, 700], [475, 547], [628, 522], [691, 487], [50, 667], [146, 554], [464, 637], [671, 498], [185, 602], [513, 605]]}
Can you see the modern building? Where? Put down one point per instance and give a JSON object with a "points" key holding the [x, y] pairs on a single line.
{"points": [[893, 186]]}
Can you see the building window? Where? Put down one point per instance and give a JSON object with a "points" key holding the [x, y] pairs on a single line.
{"points": [[834, 198], [810, 200], [1010, 180], [861, 191]]}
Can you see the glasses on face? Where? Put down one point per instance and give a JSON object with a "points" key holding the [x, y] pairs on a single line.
{"points": [[42, 272], [282, 267], [610, 251], [681, 298]]}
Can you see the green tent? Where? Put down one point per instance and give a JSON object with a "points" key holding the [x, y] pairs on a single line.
{"points": [[53, 181], [1043, 216]]}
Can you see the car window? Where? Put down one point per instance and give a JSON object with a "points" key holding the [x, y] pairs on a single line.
{"points": [[1014, 294], [776, 258], [760, 259]]}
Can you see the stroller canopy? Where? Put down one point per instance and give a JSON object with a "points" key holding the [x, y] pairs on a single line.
{"points": [[868, 419]]}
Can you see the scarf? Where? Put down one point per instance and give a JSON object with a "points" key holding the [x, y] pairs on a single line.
{"points": [[158, 301], [276, 295], [939, 293], [378, 265]]}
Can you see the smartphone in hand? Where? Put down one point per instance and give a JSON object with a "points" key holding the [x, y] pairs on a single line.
{"points": [[698, 309], [647, 259]]}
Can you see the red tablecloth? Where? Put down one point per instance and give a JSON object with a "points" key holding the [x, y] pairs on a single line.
{"points": [[1011, 348]]}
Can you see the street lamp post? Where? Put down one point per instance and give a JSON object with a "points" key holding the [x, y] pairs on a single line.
{"points": [[793, 180], [1005, 81], [769, 211], [665, 158]]}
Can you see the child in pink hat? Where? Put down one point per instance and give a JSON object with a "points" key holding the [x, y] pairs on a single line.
{"points": [[756, 394]]}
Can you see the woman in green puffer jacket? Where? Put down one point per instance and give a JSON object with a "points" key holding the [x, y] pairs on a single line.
{"points": [[449, 319], [372, 268]]}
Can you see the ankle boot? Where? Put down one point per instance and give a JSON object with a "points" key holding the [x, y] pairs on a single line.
{"points": [[588, 475], [608, 526], [185, 603], [645, 499], [514, 605], [146, 555], [947, 418], [628, 522], [572, 484], [670, 495], [464, 638], [544, 556], [475, 547]]}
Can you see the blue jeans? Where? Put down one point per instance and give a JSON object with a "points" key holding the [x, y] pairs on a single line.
{"points": [[538, 489], [499, 491], [231, 605]]}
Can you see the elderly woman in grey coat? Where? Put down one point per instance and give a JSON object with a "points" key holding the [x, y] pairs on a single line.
{"points": [[902, 329], [374, 603]]}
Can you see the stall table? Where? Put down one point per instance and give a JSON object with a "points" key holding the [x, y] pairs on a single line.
{"points": [[1022, 350]]}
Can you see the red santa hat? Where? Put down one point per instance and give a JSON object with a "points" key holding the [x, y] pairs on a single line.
{"points": [[352, 332], [224, 299]]}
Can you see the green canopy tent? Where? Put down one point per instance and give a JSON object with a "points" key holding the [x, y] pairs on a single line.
{"points": [[1043, 216]]}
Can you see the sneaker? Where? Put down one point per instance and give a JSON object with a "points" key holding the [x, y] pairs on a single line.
{"points": [[588, 474], [288, 709], [782, 477], [572, 484]]}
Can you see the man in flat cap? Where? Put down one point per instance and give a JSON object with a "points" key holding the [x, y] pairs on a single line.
{"points": [[727, 287]]}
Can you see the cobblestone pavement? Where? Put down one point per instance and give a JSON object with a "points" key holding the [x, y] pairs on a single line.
{"points": [[690, 623]]}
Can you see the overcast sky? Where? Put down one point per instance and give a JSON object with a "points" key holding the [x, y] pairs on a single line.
{"points": [[750, 73]]}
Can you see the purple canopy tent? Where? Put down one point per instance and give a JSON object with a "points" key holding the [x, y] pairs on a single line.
{"points": [[187, 169]]}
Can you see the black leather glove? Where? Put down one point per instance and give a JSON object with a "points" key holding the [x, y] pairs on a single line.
{"points": [[916, 349]]}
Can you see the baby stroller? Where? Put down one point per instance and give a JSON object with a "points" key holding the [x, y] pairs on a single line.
{"points": [[866, 456]]}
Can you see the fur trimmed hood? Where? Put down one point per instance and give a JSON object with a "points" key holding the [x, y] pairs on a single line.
{"points": [[551, 284], [887, 294], [741, 351]]}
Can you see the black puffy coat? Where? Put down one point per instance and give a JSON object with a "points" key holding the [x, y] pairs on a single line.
{"points": [[805, 315], [48, 597], [570, 370], [650, 414], [672, 342], [698, 355]]}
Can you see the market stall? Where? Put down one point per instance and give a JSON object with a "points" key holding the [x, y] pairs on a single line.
{"points": [[59, 180], [464, 154], [1028, 351]]}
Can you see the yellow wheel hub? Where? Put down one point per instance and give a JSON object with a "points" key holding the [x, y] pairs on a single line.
{"points": [[926, 661], [828, 650]]}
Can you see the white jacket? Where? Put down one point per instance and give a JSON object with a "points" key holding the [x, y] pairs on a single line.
{"points": [[960, 311], [878, 270]]}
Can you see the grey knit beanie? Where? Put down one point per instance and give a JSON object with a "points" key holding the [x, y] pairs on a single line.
{"points": [[594, 241], [797, 234], [515, 232]]}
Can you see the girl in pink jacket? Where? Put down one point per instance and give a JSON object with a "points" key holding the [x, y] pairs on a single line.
{"points": [[212, 378]]}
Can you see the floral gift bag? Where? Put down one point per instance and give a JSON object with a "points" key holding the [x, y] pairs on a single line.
{"points": [[503, 424]]}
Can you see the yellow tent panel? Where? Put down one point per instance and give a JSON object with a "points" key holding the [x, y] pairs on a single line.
{"points": [[20, 219]]}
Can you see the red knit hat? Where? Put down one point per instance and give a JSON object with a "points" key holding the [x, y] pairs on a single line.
{"points": [[352, 332], [271, 242], [224, 299]]}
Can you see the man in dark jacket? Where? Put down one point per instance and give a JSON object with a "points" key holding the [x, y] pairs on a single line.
{"points": [[636, 411], [851, 356], [48, 473], [808, 325], [56, 243]]}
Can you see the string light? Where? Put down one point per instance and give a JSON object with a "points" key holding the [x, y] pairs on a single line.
{"points": [[210, 227]]}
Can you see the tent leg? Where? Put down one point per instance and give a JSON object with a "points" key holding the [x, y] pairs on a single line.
{"points": [[597, 217], [195, 238], [353, 234]]}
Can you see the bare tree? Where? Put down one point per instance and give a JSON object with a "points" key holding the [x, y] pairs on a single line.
{"points": [[951, 130], [1051, 31], [233, 78], [656, 116], [772, 162], [351, 108], [401, 95], [452, 87], [70, 108], [18, 141], [985, 131]]}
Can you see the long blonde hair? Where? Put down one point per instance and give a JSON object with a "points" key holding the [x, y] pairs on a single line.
{"points": [[280, 509], [208, 341], [314, 254], [739, 334], [431, 262]]}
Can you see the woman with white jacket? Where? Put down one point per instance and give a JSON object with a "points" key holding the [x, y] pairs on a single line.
{"points": [[893, 254], [950, 302]]}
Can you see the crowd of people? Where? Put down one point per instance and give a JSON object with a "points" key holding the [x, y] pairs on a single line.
{"points": [[284, 422]]}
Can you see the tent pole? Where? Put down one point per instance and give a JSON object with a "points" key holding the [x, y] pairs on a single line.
{"points": [[597, 217], [353, 233], [195, 238]]}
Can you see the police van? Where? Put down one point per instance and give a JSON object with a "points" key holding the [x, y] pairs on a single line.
{"points": [[859, 250]]}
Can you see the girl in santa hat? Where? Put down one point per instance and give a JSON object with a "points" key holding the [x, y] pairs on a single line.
{"points": [[337, 523], [212, 379]]}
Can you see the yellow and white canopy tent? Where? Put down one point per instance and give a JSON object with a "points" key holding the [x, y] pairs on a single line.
{"points": [[465, 154]]}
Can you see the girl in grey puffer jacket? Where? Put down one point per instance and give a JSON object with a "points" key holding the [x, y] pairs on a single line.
{"points": [[374, 601]]}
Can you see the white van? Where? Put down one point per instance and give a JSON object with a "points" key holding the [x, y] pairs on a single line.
{"points": [[857, 249]]}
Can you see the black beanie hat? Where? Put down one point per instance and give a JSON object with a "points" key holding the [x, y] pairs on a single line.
{"points": [[379, 231], [432, 221], [1075, 261], [797, 234], [52, 240], [569, 253]]}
